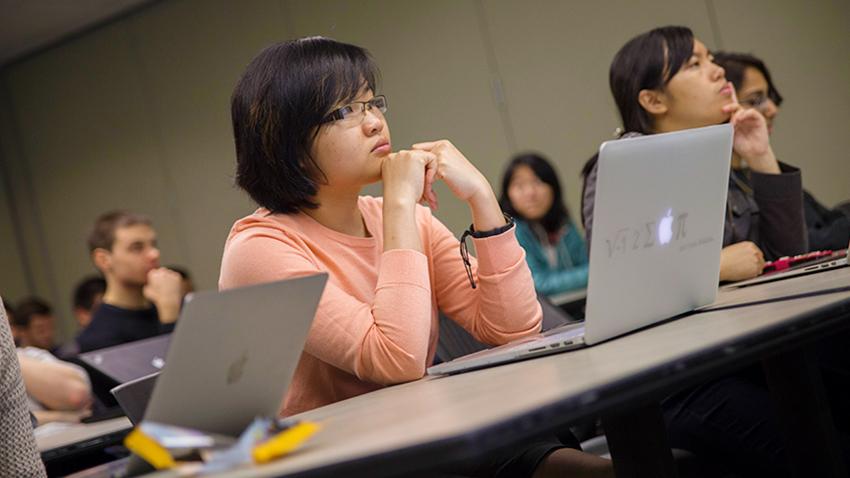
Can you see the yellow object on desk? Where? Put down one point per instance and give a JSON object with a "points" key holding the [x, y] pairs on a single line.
{"points": [[284, 442], [148, 449]]}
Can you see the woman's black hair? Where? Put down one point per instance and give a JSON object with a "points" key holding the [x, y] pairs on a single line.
{"points": [[277, 106], [736, 64], [646, 62], [557, 215]]}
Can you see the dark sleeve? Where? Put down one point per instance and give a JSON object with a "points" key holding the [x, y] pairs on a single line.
{"points": [[781, 223], [827, 229], [588, 196], [18, 453], [167, 328]]}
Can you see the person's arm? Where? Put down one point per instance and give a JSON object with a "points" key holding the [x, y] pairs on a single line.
{"points": [[777, 188], [782, 226], [503, 306], [56, 385], [384, 341], [588, 200]]}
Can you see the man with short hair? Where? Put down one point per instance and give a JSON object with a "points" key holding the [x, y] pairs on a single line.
{"points": [[87, 296], [34, 324], [142, 299]]}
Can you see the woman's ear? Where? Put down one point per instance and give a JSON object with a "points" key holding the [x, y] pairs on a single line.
{"points": [[653, 101]]}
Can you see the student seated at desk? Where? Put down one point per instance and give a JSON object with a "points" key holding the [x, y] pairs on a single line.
{"points": [[310, 133], [18, 453], [765, 217], [827, 228], [663, 81], [142, 299], [554, 247]]}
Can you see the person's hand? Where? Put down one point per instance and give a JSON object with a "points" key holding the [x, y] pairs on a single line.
{"points": [[405, 176], [462, 178], [751, 141], [163, 289], [740, 261]]}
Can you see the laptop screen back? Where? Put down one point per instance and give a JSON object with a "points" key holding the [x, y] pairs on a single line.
{"points": [[657, 228], [233, 353]]}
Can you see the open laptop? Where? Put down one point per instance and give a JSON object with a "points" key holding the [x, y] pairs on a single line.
{"points": [[832, 261], [232, 355], [231, 358], [655, 248], [129, 361]]}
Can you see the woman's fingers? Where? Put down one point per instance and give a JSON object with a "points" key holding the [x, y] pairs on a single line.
{"points": [[427, 145], [734, 106], [428, 191]]}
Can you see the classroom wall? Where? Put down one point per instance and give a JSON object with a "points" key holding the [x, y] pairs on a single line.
{"points": [[135, 114]]}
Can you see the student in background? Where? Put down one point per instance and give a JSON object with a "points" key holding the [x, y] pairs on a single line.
{"points": [[310, 134], [18, 452], [35, 324], [554, 247], [142, 299], [764, 218], [88, 294], [665, 80], [56, 390], [827, 228]]}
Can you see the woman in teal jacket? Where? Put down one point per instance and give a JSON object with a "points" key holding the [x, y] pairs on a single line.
{"points": [[555, 250]]}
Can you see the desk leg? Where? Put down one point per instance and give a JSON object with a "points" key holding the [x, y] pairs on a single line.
{"points": [[797, 391], [638, 444]]}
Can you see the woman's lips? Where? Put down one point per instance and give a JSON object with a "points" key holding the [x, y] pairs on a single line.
{"points": [[382, 148]]}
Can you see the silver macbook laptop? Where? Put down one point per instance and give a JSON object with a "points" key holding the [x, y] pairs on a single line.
{"points": [[232, 355], [655, 249], [131, 360], [836, 259]]}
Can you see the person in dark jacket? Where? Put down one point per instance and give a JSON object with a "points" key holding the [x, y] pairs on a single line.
{"points": [[764, 218], [142, 299], [665, 80], [827, 228]]}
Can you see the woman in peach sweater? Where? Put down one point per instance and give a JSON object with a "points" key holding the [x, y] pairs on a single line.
{"points": [[310, 133]]}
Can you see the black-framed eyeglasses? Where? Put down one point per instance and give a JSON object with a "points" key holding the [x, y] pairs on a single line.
{"points": [[357, 109]]}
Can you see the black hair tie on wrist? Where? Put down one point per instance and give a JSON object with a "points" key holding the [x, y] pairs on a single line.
{"points": [[464, 250]]}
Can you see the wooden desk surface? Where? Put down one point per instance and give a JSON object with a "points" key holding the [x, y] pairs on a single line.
{"points": [[442, 418]]}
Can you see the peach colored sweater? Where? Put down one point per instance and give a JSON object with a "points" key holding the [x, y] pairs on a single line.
{"points": [[376, 323]]}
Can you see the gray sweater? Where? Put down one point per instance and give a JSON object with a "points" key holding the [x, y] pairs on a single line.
{"points": [[18, 453], [766, 209]]}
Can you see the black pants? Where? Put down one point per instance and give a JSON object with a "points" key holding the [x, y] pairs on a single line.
{"points": [[731, 421], [514, 461]]}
